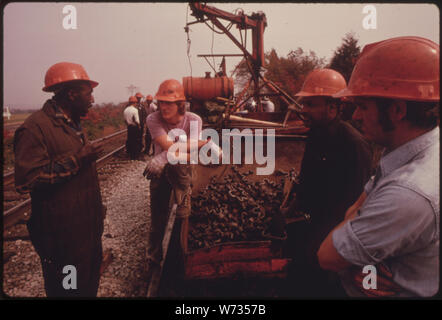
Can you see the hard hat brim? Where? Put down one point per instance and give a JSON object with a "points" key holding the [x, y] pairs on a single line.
{"points": [[343, 93], [309, 94], [168, 99], [349, 95], [52, 87]]}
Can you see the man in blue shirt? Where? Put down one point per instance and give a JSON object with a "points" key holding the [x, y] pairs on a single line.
{"points": [[388, 243]]}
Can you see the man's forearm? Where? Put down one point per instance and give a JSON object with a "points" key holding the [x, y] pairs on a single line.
{"points": [[191, 145], [328, 257], [351, 212], [52, 173]]}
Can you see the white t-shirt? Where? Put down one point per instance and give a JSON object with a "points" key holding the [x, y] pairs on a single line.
{"points": [[131, 115], [268, 106], [158, 127]]}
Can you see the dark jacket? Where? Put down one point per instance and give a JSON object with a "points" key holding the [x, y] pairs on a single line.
{"points": [[142, 114], [334, 170], [66, 223]]}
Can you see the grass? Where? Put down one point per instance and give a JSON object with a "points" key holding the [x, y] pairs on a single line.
{"points": [[19, 117]]}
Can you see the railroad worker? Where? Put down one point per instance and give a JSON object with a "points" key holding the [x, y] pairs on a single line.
{"points": [[55, 163], [149, 107], [142, 114], [139, 97], [132, 119], [335, 166], [394, 226], [165, 177], [268, 105]]}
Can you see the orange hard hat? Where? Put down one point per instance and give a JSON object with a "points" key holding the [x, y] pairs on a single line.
{"points": [[399, 68], [133, 99], [65, 72], [149, 97], [170, 90], [138, 95], [322, 82]]}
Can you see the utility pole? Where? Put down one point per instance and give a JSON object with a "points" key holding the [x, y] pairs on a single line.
{"points": [[131, 89]]}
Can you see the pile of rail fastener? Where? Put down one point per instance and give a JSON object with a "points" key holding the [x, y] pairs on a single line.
{"points": [[236, 209]]}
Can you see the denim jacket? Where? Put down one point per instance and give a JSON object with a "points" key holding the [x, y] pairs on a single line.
{"points": [[398, 224]]}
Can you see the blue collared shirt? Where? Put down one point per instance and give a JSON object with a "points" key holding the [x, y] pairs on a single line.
{"points": [[398, 224]]}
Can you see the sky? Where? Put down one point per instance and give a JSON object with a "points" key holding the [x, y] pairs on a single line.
{"points": [[143, 44]]}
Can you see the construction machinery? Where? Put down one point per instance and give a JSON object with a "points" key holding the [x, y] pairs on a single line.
{"points": [[218, 257], [254, 60]]}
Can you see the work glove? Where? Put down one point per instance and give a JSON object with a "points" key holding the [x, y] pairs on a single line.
{"points": [[155, 166]]}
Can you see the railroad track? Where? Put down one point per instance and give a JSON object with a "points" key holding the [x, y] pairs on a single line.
{"points": [[21, 210]]}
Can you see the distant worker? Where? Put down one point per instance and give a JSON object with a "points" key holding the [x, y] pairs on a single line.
{"points": [[139, 97], [132, 119], [334, 169], [149, 107], [55, 163], [142, 114], [394, 227], [267, 105], [168, 179], [152, 107]]}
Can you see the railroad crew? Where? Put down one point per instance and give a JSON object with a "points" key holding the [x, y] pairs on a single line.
{"points": [[168, 179], [394, 225], [55, 163], [149, 107], [142, 114], [132, 119], [335, 167]]}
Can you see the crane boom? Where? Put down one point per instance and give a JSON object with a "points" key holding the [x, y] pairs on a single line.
{"points": [[256, 22]]}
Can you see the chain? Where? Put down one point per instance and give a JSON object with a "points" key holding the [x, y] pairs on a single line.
{"points": [[188, 41], [211, 50]]}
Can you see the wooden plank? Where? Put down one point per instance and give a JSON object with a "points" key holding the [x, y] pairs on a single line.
{"points": [[154, 284], [267, 268], [238, 251]]}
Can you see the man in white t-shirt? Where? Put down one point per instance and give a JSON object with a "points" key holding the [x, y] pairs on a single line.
{"points": [[131, 117], [268, 105]]}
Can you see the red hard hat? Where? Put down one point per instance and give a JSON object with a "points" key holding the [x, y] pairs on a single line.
{"points": [[133, 99], [170, 90], [138, 95], [322, 82], [399, 68], [65, 72], [149, 97]]}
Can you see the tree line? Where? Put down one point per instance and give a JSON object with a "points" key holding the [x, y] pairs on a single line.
{"points": [[289, 72]]}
